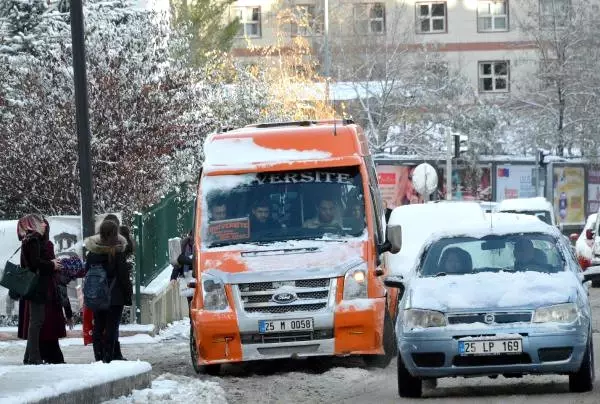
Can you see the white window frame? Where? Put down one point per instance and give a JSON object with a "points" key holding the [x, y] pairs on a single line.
{"points": [[361, 17], [493, 75], [245, 14], [430, 17], [492, 16], [307, 13], [548, 15]]}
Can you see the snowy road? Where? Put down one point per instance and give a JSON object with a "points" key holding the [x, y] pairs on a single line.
{"points": [[330, 381]]}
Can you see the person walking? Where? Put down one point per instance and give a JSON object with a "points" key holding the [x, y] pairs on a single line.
{"points": [[183, 269], [36, 257], [107, 251]]}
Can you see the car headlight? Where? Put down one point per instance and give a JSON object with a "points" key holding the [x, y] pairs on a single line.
{"points": [[356, 282], [213, 293], [559, 313], [416, 318]]}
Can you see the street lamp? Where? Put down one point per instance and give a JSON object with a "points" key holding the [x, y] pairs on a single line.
{"points": [[82, 118]]}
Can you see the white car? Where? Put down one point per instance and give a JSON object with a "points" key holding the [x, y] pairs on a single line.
{"points": [[538, 207], [420, 221], [585, 242]]}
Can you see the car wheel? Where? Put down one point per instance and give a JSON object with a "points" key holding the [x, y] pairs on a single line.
{"points": [[389, 346], [583, 380], [408, 385], [212, 370]]}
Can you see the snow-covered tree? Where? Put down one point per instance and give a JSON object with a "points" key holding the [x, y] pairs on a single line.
{"points": [[564, 99], [400, 88], [148, 114]]}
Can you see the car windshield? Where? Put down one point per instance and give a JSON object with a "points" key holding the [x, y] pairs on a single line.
{"points": [[543, 215], [493, 253], [278, 206]]}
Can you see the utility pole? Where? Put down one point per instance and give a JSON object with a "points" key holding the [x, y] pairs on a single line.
{"points": [[327, 61], [449, 166], [82, 118]]}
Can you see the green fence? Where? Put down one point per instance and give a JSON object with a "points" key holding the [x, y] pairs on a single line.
{"points": [[152, 229]]}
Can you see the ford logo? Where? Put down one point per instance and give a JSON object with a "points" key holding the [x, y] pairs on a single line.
{"points": [[489, 318], [284, 297]]}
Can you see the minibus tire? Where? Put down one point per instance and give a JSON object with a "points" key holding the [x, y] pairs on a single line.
{"points": [[212, 370], [389, 346]]}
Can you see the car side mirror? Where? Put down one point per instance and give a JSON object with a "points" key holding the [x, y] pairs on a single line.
{"points": [[589, 234], [397, 282], [394, 237]]}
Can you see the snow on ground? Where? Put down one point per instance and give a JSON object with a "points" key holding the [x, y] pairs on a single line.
{"points": [[52, 380], [170, 388]]}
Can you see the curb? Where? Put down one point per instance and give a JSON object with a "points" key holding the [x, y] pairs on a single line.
{"points": [[103, 392]]}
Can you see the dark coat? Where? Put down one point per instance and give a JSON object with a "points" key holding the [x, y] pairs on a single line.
{"points": [[54, 320], [36, 258], [184, 259], [115, 266]]}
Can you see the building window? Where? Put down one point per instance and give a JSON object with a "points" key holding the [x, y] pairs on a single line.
{"points": [[249, 18], [369, 19], [554, 13], [492, 15], [305, 21], [493, 77], [431, 17]]}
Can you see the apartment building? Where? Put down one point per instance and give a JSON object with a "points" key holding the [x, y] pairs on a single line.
{"points": [[490, 42]]}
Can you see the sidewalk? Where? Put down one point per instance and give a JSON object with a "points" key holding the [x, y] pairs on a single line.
{"points": [[125, 330], [82, 383]]}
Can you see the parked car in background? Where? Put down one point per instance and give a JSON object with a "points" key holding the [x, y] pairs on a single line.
{"points": [[507, 299], [539, 207], [585, 242]]}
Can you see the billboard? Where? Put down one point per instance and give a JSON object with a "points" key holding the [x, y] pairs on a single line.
{"points": [[469, 184], [593, 190], [395, 185], [515, 181], [568, 190]]}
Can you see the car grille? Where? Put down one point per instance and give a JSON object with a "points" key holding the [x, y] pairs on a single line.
{"points": [[555, 354], [491, 360], [499, 317], [311, 295], [256, 338]]}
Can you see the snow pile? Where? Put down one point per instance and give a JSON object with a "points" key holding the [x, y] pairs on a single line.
{"points": [[177, 330], [245, 151], [492, 290], [53, 380], [169, 388]]}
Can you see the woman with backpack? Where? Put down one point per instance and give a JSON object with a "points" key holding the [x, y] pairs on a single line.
{"points": [[106, 288]]}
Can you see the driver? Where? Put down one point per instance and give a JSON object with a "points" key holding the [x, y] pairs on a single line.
{"points": [[456, 261], [326, 216], [526, 254], [260, 218]]}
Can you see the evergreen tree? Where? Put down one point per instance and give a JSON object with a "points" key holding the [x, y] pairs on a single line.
{"points": [[204, 22]]}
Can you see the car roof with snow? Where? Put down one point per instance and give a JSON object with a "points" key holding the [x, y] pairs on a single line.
{"points": [[524, 204], [273, 143], [497, 224]]}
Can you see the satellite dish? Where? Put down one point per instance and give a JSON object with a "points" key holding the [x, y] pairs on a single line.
{"points": [[425, 179]]}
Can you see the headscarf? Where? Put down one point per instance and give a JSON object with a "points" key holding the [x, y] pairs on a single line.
{"points": [[32, 223]]}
